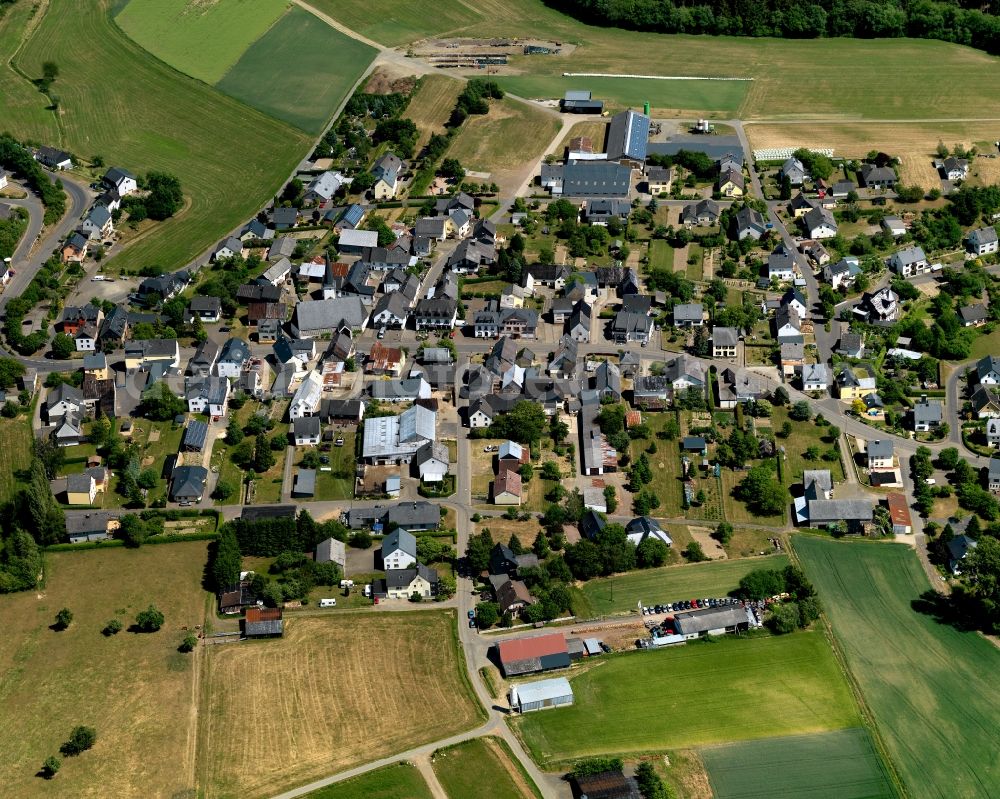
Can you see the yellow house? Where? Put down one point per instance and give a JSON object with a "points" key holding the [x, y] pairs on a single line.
{"points": [[96, 365], [855, 383], [81, 489], [386, 172]]}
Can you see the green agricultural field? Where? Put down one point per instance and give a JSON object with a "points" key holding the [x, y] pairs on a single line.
{"points": [[481, 769], [693, 95], [391, 782], [202, 40], [15, 455], [930, 688], [318, 69], [396, 22], [835, 765], [19, 99], [229, 158], [733, 689], [135, 689], [622, 593]]}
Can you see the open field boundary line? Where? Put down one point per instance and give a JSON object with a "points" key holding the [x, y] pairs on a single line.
{"points": [[867, 714], [646, 77]]}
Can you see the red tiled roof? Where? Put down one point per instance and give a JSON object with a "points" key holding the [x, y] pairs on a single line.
{"points": [[527, 648], [508, 481], [899, 511], [263, 614]]}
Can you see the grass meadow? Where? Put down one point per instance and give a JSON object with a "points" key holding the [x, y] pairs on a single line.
{"points": [[835, 765], [503, 140], [346, 688], [396, 22], [732, 689], [202, 40], [15, 455], [299, 71], [136, 690], [20, 100], [229, 158], [915, 78], [621, 594], [390, 782], [481, 768], [432, 103], [930, 688]]}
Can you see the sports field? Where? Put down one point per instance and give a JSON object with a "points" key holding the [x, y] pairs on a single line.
{"points": [[931, 689], [868, 79], [299, 71], [703, 693], [662, 95], [481, 769], [432, 103], [834, 765], [202, 40], [391, 782], [671, 583], [136, 690], [19, 99], [229, 158], [346, 689], [504, 141]]}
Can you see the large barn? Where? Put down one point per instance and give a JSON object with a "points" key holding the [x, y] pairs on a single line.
{"points": [[528, 655], [541, 694]]}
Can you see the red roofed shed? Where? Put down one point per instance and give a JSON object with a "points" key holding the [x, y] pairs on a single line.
{"points": [[899, 512], [538, 653]]}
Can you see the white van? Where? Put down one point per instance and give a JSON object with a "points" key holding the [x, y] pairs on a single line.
{"points": [[328, 603], [347, 583]]}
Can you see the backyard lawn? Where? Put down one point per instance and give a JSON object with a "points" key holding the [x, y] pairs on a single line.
{"points": [[804, 435], [661, 255]]}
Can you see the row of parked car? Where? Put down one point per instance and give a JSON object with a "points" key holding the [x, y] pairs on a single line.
{"points": [[690, 604]]}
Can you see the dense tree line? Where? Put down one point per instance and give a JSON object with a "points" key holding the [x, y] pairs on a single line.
{"points": [[271, 537], [11, 231], [18, 159], [963, 22]]}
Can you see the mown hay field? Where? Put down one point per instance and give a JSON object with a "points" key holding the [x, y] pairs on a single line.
{"points": [[337, 691], [135, 689]]}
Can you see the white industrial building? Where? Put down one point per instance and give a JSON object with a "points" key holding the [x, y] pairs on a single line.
{"points": [[541, 694]]}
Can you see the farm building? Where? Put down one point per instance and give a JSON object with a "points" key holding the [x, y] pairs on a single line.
{"points": [[263, 623], [711, 621], [541, 694], [332, 550], [899, 512], [607, 785], [528, 655]]}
